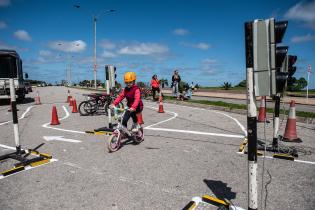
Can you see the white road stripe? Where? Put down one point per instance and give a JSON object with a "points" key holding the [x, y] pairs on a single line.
{"points": [[60, 129], [23, 115], [195, 132]]}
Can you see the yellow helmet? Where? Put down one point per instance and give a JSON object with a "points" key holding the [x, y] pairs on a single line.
{"points": [[130, 76]]}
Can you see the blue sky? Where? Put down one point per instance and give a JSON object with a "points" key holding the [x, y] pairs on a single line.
{"points": [[204, 40]]}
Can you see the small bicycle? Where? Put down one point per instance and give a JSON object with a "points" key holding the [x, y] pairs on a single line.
{"points": [[121, 134]]}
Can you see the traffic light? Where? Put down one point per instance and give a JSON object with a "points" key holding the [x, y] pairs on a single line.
{"points": [[278, 56], [261, 54]]}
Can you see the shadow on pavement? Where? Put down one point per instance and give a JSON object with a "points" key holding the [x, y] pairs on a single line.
{"points": [[220, 189]]}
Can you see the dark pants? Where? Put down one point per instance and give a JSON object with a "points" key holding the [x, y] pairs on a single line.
{"points": [[129, 114], [154, 91]]}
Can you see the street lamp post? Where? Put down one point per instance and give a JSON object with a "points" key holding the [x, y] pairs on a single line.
{"points": [[95, 17]]}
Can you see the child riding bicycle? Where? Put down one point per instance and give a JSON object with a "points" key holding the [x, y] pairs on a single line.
{"points": [[133, 95]]}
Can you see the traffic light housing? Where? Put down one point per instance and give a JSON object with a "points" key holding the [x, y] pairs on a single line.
{"points": [[278, 56]]}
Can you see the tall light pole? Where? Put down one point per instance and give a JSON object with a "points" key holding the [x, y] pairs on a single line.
{"points": [[308, 80], [95, 17], [68, 66]]}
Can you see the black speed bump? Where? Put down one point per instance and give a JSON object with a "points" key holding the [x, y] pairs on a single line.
{"points": [[190, 206], [215, 201]]}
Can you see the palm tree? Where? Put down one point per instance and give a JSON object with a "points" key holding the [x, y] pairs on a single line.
{"points": [[226, 85]]}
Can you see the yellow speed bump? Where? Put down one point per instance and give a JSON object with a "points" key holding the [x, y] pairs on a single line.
{"points": [[242, 146], [283, 156], [38, 163], [215, 201], [12, 170], [99, 132]]}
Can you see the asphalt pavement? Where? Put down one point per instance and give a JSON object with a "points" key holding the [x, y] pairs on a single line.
{"points": [[187, 152]]}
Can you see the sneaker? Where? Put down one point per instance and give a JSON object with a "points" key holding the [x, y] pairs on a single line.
{"points": [[135, 127]]}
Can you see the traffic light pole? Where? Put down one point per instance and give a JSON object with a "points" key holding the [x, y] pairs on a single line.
{"points": [[108, 93], [276, 121], [251, 120]]}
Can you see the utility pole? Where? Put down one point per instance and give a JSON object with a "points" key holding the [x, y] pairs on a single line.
{"points": [[251, 119], [95, 65], [308, 80]]}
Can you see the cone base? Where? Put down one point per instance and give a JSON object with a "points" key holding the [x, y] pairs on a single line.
{"points": [[295, 140], [55, 123], [161, 111]]}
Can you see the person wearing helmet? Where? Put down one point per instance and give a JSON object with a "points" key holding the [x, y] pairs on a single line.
{"points": [[132, 94]]}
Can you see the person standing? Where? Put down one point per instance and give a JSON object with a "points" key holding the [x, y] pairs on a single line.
{"points": [[155, 84], [175, 83]]}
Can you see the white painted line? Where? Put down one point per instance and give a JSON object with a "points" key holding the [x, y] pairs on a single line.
{"points": [[23, 115], [195, 132], [175, 115], [60, 138], [60, 129], [270, 157], [29, 168], [238, 123], [7, 147]]}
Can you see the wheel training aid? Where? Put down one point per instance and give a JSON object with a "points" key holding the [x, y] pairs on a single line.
{"points": [[290, 129]]}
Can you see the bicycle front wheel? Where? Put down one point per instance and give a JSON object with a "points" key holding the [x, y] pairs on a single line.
{"points": [[113, 143]]}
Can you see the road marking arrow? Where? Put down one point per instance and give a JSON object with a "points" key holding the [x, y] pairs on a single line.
{"points": [[60, 138]]}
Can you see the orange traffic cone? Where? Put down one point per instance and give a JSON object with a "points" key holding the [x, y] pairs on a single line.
{"points": [[262, 110], [139, 118], [71, 102], [68, 98], [54, 117], [74, 106], [161, 97], [37, 99], [161, 109], [290, 129]]}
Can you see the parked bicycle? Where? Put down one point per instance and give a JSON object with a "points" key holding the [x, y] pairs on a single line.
{"points": [[98, 102], [121, 134]]}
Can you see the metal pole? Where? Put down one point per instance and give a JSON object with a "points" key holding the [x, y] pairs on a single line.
{"points": [[276, 122], [251, 120], [94, 20], [15, 118], [308, 80], [108, 93]]}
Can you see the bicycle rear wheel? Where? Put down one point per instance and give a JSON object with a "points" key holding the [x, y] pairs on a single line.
{"points": [[85, 108]]}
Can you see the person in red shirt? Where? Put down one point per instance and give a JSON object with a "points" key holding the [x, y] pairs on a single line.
{"points": [[133, 95], [155, 84]]}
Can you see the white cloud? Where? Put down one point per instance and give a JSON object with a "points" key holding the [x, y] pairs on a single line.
{"points": [[180, 32], [22, 35], [209, 66], [106, 44], [44, 53], [306, 38], [2, 25], [143, 49], [108, 54], [5, 3], [303, 11], [68, 46], [200, 45]]}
